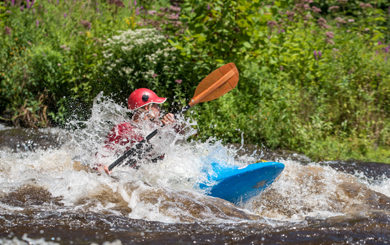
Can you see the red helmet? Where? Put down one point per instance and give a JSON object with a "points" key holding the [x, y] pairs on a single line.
{"points": [[143, 96]]}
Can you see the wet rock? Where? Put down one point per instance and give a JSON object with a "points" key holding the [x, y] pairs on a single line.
{"points": [[21, 139], [192, 207], [29, 195], [373, 170], [271, 155]]}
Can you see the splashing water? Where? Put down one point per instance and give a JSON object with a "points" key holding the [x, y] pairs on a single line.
{"points": [[59, 182]]}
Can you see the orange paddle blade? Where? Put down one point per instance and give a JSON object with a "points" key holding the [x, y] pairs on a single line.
{"points": [[216, 84]]}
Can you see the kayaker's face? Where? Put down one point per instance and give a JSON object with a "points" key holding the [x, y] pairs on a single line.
{"points": [[150, 112]]}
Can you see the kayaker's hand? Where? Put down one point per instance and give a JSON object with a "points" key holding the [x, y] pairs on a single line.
{"points": [[168, 119], [101, 167], [106, 170]]}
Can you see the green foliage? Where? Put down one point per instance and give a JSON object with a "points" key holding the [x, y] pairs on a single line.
{"points": [[314, 75], [140, 58], [310, 82], [52, 61]]}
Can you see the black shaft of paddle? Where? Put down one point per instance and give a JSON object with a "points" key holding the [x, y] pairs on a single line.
{"points": [[138, 145]]}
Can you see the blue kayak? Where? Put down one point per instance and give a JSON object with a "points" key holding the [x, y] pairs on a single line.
{"points": [[239, 184]]}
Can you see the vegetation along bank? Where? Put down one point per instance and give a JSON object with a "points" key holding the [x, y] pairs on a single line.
{"points": [[314, 75]]}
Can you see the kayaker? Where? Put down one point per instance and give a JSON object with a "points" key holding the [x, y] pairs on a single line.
{"points": [[146, 107]]}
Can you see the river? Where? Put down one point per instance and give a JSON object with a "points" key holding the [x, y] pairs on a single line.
{"points": [[50, 195]]}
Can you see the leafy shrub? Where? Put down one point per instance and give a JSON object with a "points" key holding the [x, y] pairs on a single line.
{"points": [[140, 58], [51, 56], [305, 78], [314, 75]]}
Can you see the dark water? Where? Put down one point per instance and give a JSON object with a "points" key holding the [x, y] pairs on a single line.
{"points": [[67, 227], [46, 198], [84, 228]]}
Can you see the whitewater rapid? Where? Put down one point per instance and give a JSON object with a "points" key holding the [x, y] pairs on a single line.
{"points": [[60, 180]]}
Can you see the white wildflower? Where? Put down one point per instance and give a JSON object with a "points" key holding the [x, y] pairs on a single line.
{"points": [[127, 70], [134, 46]]}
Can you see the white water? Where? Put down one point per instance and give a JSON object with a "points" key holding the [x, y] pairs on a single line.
{"points": [[25, 240], [167, 191]]}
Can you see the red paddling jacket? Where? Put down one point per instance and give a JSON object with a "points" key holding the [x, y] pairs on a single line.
{"points": [[123, 137], [122, 134]]}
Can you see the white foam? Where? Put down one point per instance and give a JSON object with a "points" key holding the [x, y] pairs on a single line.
{"points": [[167, 191]]}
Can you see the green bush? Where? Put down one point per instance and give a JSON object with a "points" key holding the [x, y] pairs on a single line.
{"points": [[314, 75], [52, 60], [140, 58], [306, 79]]}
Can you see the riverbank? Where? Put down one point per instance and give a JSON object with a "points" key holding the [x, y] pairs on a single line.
{"points": [[27, 139]]}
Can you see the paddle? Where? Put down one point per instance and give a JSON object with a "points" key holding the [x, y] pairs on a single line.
{"points": [[216, 84]]}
